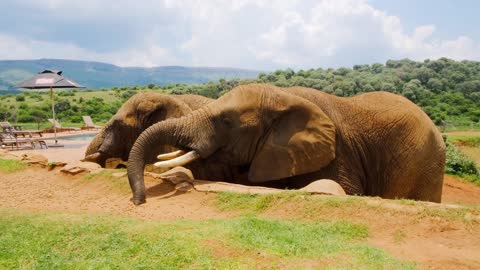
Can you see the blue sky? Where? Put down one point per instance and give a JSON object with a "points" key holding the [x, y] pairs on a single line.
{"points": [[253, 34]]}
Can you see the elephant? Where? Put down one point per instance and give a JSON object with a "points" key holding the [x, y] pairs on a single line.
{"points": [[372, 144], [138, 113]]}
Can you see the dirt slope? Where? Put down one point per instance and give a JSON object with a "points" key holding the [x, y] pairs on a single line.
{"points": [[434, 243]]}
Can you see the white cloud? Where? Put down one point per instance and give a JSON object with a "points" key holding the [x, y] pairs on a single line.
{"points": [[256, 34], [147, 56]]}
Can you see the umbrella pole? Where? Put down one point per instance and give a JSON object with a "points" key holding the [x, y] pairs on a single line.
{"points": [[53, 114]]}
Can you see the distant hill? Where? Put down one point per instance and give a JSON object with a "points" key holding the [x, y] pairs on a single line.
{"points": [[98, 75]]}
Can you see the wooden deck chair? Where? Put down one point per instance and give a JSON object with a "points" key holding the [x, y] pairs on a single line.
{"points": [[59, 127], [7, 127], [89, 123], [8, 140]]}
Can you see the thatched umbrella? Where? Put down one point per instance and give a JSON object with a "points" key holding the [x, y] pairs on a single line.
{"points": [[49, 79]]}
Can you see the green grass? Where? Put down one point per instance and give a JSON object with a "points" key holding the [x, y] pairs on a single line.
{"points": [[466, 140], [323, 208], [11, 166], [45, 125], [253, 203], [470, 127], [56, 241]]}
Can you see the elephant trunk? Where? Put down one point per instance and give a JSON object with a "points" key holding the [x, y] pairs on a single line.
{"points": [[92, 153], [180, 132]]}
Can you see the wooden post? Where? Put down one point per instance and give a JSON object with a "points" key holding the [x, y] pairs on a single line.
{"points": [[53, 113]]}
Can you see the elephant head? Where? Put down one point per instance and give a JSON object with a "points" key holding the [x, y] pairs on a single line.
{"points": [[261, 127], [138, 113]]}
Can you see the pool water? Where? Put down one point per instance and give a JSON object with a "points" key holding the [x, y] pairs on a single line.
{"points": [[79, 137]]}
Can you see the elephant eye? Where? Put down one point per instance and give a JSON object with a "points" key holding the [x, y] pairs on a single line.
{"points": [[227, 122]]}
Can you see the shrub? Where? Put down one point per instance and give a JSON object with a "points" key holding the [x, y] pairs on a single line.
{"points": [[458, 163], [20, 98]]}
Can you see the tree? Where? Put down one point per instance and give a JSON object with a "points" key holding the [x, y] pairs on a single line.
{"points": [[38, 116], [435, 85]]}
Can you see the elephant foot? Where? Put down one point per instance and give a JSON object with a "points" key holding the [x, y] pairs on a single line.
{"points": [[324, 186], [137, 201]]}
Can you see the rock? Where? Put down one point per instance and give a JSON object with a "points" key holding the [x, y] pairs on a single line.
{"points": [[79, 167], [209, 186], [35, 159], [53, 165], [119, 174], [177, 175], [184, 186], [324, 186], [115, 163]]}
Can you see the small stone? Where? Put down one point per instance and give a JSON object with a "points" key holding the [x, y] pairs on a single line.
{"points": [[78, 167], [76, 171]]}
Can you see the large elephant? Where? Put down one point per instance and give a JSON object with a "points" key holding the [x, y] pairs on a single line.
{"points": [[376, 144], [138, 113]]}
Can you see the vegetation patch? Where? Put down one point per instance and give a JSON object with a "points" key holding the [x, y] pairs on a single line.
{"points": [[11, 166], [325, 208], [82, 242], [255, 203], [457, 163]]}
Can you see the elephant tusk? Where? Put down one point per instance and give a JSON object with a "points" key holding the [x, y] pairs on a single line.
{"points": [[179, 161], [171, 155]]}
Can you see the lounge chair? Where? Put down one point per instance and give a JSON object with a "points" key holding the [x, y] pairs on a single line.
{"points": [[18, 131], [89, 123], [7, 127], [59, 127], [7, 140]]}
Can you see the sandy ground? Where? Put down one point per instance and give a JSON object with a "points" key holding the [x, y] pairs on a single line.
{"points": [[431, 242]]}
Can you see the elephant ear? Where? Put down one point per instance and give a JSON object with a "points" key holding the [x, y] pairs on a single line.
{"points": [[301, 140]]}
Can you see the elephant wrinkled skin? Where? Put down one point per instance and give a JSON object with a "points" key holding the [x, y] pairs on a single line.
{"points": [[375, 144]]}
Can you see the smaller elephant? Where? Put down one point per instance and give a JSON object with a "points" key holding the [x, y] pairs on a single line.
{"points": [[138, 113]]}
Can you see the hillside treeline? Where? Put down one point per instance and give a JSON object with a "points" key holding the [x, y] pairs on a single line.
{"points": [[447, 90]]}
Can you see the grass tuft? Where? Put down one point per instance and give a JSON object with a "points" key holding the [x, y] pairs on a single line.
{"points": [[11, 166]]}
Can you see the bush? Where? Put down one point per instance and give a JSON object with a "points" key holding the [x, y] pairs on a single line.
{"points": [[458, 163], [20, 98]]}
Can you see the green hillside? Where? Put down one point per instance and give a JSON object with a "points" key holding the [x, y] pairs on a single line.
{"points": [[447, 90], [100, 75]]}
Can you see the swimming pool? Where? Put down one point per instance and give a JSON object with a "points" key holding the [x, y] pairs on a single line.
{"points": [[78, 137]]}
